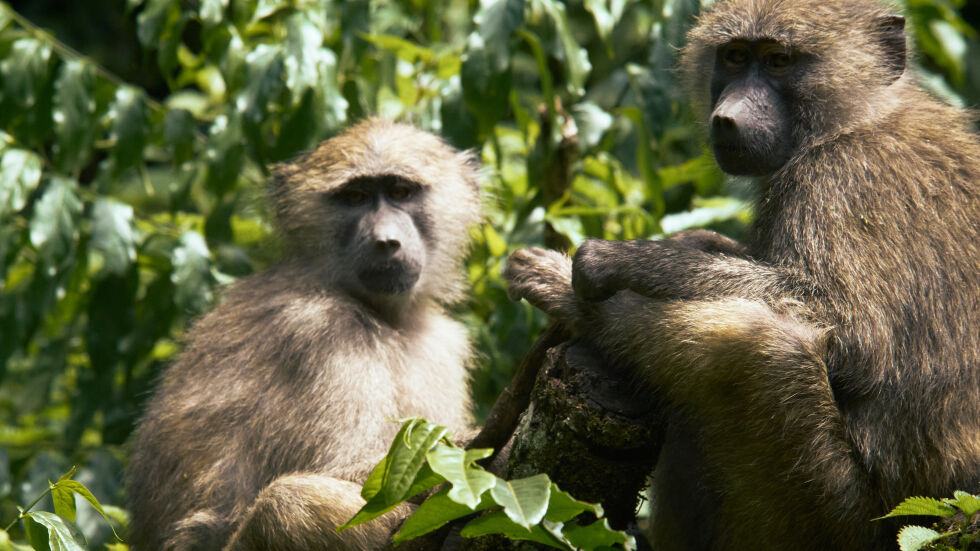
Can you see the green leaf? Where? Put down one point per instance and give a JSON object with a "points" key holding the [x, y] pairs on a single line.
{"points": [[435, 512], [592, 536], [496, 21], [129, 128], [562, 507], [54, 225], [458, 466], [401, 472], [192, 273], [20, 172], [64, 502], [500, 523], [113, 234], [576, 57], [48, 531], [965, 502], [525, 500], [65, 484], [25, 71], [921, 506], [606, 14], [153, 20], [225, 153], [592, 123], [74, 116], [179, 134], [211, 12], [913, 538]]}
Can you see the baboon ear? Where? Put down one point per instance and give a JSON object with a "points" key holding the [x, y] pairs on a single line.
{"points": [[891, 34]]}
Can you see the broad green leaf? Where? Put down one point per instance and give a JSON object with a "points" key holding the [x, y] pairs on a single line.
{"points": [[576, 57], [709, 211], [74, 115], [913, 538], [921, 506], [435, 512], [47, 531], [401, 472], [25, 71], [192, 273], [500, 523], [496, 21], [404, 49], [562, 507], [458, 467], [211, 12], [525, 500], [153, 20], [592, 123], [965, 502], [74, 487], [5, 543], [179, 134], [606, 14], [54, 225], [596, 534], [129, 128], [113, 234], [225, 153], [20, 172]]}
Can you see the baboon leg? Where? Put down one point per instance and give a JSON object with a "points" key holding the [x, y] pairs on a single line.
{"points": [[203, 530], [301, 512]]}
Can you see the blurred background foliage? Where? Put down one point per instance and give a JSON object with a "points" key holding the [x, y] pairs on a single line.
{"points": [[136, 136]]}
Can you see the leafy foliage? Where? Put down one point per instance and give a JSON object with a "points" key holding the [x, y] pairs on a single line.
{"points": [[129, 175], [422, 457], [962, 530]]}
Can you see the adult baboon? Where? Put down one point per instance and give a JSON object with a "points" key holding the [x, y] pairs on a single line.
{"points": [[829, 367], [260, 435]]}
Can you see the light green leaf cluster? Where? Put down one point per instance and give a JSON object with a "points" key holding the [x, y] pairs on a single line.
{"points": [[963, 510], [534, 509]]}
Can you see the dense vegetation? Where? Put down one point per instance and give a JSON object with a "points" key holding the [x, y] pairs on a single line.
{"points": [[135, 138]]}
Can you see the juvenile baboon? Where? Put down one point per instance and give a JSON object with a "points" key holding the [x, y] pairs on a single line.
{"points": [[829, 367], [260, 435]]}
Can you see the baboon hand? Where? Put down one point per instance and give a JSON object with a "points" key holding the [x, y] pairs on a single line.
{"points": [[597, 273], [544, 278]]}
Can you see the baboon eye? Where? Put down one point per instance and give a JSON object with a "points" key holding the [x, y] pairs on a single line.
{"points": [[351, 197], [400, 193], [779, 61], [735, 55]]}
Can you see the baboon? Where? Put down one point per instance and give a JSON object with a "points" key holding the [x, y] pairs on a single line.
{"points": [[828, 367], [262, 432]]}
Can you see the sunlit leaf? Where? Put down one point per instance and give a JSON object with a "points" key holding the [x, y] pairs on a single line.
{"points": [[54, 225], [75, 125], [594, 535], [525, 500], [501, 523], [913, 538], [435, 512], [576, 57], [20, 173], [48, 531], [922, 506], [458, 467], [496, 21], [129, 127], [25, 70], [192, 273], [113, 234]]}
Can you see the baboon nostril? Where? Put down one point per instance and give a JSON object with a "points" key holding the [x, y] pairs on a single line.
{"points": [[387, 245], [723, 123]]}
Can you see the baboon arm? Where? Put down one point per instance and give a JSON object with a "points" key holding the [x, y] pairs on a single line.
{"points": [[688, 267], [756, 383], [302, 512]]}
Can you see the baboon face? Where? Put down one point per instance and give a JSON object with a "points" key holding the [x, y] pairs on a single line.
{"points": [[381, 231], [781, 82], [750, 127], [378, 213]]}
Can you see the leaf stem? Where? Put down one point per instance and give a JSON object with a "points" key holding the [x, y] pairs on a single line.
{"points": [[29, 507]]}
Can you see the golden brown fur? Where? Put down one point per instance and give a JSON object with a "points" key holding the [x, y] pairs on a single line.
{"points": [[831, 366], [284, 397]]}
